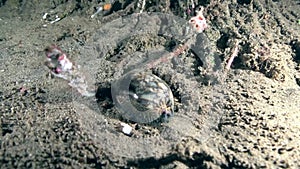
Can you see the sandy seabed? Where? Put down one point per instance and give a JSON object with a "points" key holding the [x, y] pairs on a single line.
{"points": [[245, 117]]}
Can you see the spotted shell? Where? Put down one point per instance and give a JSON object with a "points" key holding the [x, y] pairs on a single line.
{"points": [[143, 97]]}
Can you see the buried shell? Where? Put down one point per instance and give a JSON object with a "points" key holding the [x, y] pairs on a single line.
{"points": [[142, 97]]}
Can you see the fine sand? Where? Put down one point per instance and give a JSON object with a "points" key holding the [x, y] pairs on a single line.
{"points": [[246, 116]]}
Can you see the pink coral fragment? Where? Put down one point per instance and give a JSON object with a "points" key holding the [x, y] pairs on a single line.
{"points": [[198, 22]]}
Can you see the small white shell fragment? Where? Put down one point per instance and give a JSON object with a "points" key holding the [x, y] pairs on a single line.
{"points": [[45, 16], [99, 10], [126, 129], [56, 20]]}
